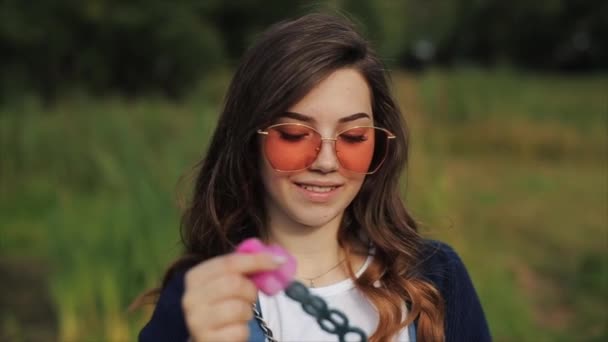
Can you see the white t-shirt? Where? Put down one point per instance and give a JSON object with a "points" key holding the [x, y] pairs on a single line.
{"points": [[290, 323]]}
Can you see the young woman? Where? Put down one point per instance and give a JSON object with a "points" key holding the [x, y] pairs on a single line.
{"points": [[307, 154]]}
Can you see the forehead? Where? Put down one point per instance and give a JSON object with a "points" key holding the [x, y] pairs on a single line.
{"points": [[343, 93]]}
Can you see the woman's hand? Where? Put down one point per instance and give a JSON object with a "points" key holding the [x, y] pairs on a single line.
{"points": [[218, 295]]}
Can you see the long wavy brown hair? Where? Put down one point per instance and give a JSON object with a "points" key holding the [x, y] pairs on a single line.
{"points": [[287, 61]]}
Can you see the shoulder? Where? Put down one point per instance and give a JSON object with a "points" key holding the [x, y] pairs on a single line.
{"points": [[438, 252], [439, 263], [167, 321], [464, 316]]}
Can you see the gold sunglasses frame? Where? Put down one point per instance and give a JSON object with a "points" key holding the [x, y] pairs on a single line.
{"points": [[389, 134]]}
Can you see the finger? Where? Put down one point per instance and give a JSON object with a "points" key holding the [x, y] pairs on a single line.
{"points": [[232, 263], [229, 312], [229, 333], [232, 286], [227, 286]]}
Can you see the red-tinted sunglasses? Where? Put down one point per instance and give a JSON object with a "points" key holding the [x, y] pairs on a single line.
{"points": [[293, 147]]}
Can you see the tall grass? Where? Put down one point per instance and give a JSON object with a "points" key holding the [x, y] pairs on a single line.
{"points": [[90, 188], [511, 169], [508, 167]]}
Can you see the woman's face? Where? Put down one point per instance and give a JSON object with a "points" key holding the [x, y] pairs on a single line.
{"points": [[319, 194]]}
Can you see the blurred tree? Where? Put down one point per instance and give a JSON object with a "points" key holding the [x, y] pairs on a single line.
{"points": [[151, 46], [129, 46], [544, 34], [238, 22]]}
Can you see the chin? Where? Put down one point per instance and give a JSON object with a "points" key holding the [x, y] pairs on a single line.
{"points": [[315, 217]]}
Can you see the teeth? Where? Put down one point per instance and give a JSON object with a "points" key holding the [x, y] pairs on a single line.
{"points": [[318, 188]]}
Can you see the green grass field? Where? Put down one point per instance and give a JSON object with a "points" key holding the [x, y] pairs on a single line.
{"points": [[509, 168]]}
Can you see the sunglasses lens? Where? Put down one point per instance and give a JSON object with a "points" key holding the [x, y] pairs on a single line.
{"points": [[362, 149], [291, 147]]}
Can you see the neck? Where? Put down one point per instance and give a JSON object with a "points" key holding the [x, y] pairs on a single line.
{"points": [[315, 248]]}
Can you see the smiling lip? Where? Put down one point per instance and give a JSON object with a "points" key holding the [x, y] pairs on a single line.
{"points": [[307, 190]]}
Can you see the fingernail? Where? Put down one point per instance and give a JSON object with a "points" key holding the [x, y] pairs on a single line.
{"points": [[279, 259]]}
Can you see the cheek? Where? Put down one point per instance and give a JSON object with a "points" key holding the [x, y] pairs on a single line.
{"points": [[265, 170], [268, 177], [274, 182], [355, 186], [354, 180]]}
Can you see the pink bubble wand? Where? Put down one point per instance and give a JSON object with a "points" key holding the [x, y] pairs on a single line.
{"points": [[272, 282]]}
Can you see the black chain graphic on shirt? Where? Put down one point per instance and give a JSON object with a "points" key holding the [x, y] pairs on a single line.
{"points": [[331, 320]]}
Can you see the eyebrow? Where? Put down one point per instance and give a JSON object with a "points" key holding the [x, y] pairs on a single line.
{"points": [[309, 119]]}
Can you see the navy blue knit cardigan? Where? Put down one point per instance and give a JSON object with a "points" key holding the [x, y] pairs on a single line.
{"points": [[464, 317]]}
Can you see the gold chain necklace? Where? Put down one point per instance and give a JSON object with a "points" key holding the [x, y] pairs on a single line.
{"points": [[311, 280]]}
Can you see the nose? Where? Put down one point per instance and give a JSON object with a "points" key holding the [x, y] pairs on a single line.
{"points": [[326, 160]]}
